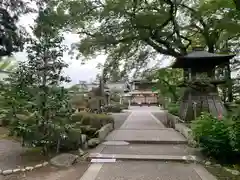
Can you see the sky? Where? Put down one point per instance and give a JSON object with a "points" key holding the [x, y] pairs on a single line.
{"points": [[76, 71]]}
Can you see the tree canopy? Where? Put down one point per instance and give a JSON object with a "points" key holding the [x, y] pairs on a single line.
{"points": [[132, 31], [11, 35]]}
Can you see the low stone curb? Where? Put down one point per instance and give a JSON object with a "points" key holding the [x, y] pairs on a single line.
{"points": [[104, 131], [186, 132], [18, 170], [102, 134], [172, 121], [169, 120]]}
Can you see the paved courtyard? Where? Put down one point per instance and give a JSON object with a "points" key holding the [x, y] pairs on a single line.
{"points": [[143, 149]]}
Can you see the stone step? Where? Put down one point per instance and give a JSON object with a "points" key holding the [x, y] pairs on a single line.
{"points": [[122, 147], [146, 170], [127, 157], [160, 136], [157, 142]]}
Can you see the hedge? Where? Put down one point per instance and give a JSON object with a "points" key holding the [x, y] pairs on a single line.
{"points": [[91, 119]]}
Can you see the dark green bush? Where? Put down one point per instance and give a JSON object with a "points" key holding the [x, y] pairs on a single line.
{"points": [[5, 117], [173, 108], [72, 139], [123, 106], [4, 122], [235, 131], [65, 134], [91, 119], [103, 119], [89, 123], [115, 108], [77, 117], [213, 136]]}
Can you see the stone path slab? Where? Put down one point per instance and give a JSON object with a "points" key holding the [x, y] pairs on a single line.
{"points": [[142, 149], [119, 119], [142, 120], [161, 136], [145, 170]]}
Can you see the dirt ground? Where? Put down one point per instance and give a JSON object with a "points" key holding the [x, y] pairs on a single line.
{"points": [[13, 155], [51, 173]]}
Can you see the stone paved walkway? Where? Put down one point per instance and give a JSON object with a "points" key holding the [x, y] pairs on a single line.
{"points": [[143, 149]]}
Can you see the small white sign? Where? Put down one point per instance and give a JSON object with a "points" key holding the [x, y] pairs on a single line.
{"points": [[103, 160], [116, 143]]}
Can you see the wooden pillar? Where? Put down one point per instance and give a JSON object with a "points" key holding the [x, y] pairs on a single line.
{"points": [[229, 83]]}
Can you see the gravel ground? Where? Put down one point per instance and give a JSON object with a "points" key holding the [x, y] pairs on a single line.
{"points": [[120, 118]]}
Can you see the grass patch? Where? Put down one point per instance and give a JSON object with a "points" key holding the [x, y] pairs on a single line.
{"points": [[221, 173]]}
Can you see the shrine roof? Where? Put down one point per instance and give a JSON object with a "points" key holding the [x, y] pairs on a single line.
{"points": [[204, 54], [201, 56]]}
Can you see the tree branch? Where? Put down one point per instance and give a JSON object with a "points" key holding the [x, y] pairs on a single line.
{"points": [[177, 29], [161, 50], [237, 4], [187, 39], [205, 29], [154, 34], [110, 39]]}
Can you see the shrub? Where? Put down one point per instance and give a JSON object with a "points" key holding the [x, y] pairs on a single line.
{"points": [[212, 134], [235, 132], [173, 108], [115, 108], [123, 106], [91, 119], [60, 134], [90, 122], [103, 119]]}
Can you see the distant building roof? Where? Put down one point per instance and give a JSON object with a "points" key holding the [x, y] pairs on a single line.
{"points": [[143, 81]]}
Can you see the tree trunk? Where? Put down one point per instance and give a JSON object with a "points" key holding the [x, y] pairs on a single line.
{"points": [[58, 145], [175, 97], [44, 112]]}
